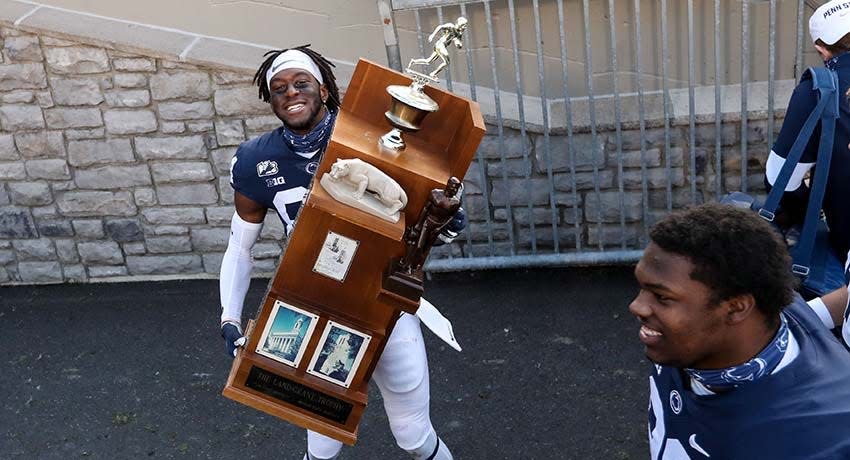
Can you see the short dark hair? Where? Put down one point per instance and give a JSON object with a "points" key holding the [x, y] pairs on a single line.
{"points": [[839, 47], [734, 252], [324, 67]]}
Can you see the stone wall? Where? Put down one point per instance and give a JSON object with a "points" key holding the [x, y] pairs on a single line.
{"points": [[114, 165]]}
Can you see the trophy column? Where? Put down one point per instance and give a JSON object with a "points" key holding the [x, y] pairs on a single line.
{"points": [[329, 311]]}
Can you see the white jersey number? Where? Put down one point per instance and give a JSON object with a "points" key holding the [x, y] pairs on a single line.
{"points": [[287, 197], [673, 449]]}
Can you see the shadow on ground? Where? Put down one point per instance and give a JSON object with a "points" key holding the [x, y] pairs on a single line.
{"points": [[551, 369]]}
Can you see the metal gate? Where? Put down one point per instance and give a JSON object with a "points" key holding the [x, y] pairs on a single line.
{"points": [[605, 115]]}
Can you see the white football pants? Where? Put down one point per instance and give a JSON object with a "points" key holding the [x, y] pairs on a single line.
{"points": [[402, 377]]}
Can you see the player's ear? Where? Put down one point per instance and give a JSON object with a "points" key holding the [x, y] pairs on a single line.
{"points": [[739, 308], [323, 92]]}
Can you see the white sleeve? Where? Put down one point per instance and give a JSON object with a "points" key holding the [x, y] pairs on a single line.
{"points": [[820, 309], [236, 267], [774, 166]]}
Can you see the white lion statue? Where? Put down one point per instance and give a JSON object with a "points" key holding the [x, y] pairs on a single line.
{"points": [[353, 178]]}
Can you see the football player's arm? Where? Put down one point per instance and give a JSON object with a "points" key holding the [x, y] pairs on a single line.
{"points": [[830, 308], [236, 267], [795, 198]]}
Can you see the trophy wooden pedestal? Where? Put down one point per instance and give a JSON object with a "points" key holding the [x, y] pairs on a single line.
{"points": [[327, 314]]}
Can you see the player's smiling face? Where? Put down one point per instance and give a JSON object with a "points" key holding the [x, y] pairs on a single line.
{"points": [[297, 99], [679, 325]]}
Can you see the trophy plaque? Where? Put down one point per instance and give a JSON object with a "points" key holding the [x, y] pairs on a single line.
{"points": [[351, 265]]}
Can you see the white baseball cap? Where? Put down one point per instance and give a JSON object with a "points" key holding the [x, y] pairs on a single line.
{"points": [[830, 22]]}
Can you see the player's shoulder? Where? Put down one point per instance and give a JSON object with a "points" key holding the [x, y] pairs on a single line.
{"points": [[258, 154]]}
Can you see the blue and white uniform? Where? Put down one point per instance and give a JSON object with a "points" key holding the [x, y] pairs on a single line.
{"points": [[795, 199], [800, 411], [269, 171]]}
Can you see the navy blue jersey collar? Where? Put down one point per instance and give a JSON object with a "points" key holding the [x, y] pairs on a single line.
{"points": [[838, 62]]}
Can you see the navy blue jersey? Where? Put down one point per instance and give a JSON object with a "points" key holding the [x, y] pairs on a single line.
{"points": [[800, 412], [267, 171], [803, 100]]}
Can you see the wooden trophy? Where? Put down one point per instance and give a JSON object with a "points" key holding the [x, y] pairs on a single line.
{"points": [[353, 262]]}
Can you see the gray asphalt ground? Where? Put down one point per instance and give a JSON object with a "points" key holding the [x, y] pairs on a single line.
{"points": [[551, 369]]}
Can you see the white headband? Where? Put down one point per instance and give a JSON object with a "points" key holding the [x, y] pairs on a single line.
{"points": [[293, 59]]}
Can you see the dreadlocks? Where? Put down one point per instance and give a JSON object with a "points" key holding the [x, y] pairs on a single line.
{"points": [[324, 67]]}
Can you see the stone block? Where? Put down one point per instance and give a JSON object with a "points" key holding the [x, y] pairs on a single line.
{"points": [[201, 126], [230, 78], [42, 144], [229, 132], [605, 207], [164, 265], [706, 134], [67, 251], [265, 123], [4, 196], [144, 196], [51, 169], [76, 60], [125, 121], [12, 170], [76, 91], [655, 178], [264, 267], [130, 80], [212, 262], [513, 144], [128, 98], [40, 272], [172, 127], [7, 256], [18, 97], [266, 250], [168, 244], [194, 171], [222, 158], [21, 117], [272, 228], [113, 177], [632, 159], [30, 193], [100, 252], [185, 110], [240, 101], [89, 229], [182, 85], [107, 271], [54, 228], [210, 238], [134, 249], [587, 153], [75, 273], [219, 215], [174, 216], [187, 194], [124, 230], [171, 148], [170, 230], [96, 203], [614, 235], [40, 249], [516, 192], [134, 64], [44, 212], [8, 151], [514, 167], [653, 138], [226, 190], [83, 154], [520, 215], [83, 134], [44, 99], [4, 275], [22, 48], [584, 180], [29, 75], [62, 118]]}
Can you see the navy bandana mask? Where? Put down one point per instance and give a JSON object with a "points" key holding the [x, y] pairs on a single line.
{"points": [[763, 364], [315, 140]]}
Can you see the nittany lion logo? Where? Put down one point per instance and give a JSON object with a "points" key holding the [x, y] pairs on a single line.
{"points": [[267, 168], [312, 167]]}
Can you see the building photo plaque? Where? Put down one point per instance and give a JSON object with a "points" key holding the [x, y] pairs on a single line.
{"points": [[336, 256], [287, 333], [339, 354]]}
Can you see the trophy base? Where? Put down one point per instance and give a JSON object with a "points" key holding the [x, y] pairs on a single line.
{"points": [[405, 288], [393, 140]]}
